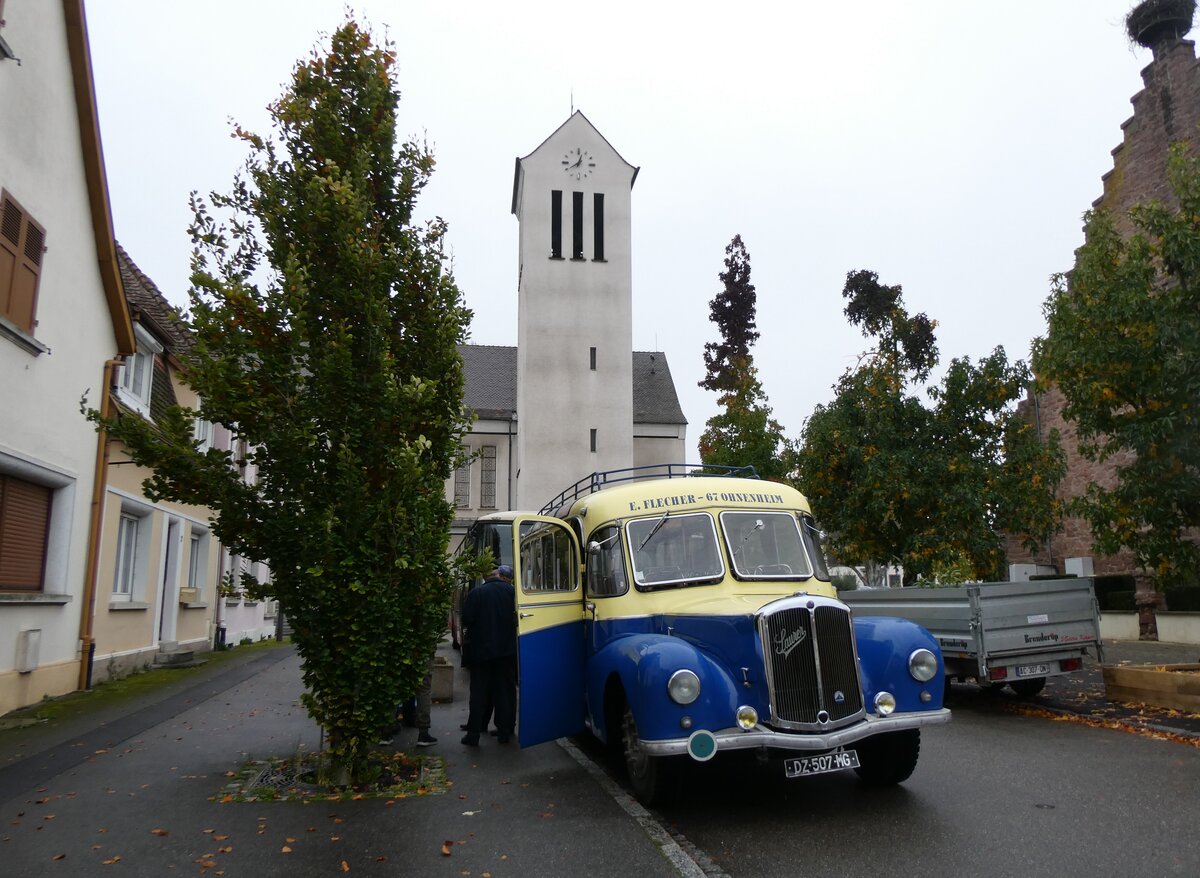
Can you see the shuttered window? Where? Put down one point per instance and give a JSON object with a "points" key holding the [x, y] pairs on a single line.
{"points": [[24, 524], [22, 242]]}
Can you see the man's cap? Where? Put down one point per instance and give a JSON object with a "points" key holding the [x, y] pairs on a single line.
{"points": [[506, 571]]}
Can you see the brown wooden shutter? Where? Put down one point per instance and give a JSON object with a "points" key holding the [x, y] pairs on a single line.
{"points": [[24, 525], [22, 243]]}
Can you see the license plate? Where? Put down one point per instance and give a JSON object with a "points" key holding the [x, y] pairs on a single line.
{"points": [[1032, 670], [826, 762]]}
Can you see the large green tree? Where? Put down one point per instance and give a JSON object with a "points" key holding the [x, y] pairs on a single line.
{"points": [[743, 433], [931, 487], [325, 324], [1123, 347]]}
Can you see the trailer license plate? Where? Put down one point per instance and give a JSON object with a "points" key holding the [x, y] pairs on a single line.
{"points": [[822, 764], [1032, 670]]}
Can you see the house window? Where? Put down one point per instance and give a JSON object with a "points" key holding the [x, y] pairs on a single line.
{"points": [[576, 225], [598, 227], [24, 528], [487, 477], [198, 557], [22, 243], [127, 556], [137, 374], [202, 430], [556, 224], [462, 481]]}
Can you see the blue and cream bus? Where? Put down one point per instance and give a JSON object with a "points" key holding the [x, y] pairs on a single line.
{"points": [[679, 615]]}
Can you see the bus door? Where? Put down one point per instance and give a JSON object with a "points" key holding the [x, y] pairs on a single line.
{"points": [[549, 628]]}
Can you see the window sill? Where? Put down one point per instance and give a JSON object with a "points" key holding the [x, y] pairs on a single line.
{"points": [[579, 259], [21, 338], [599, 260], [128, 605], [34, 597], [141, 406], [193, 605]]}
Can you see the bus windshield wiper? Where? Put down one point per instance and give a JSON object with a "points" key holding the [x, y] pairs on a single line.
{"points": [[658, 524]]}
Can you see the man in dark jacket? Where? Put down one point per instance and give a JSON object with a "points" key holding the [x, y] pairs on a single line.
{"points": [[489, 619]]}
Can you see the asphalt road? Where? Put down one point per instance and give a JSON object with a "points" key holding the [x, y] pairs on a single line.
{"points": [[995, 794]]}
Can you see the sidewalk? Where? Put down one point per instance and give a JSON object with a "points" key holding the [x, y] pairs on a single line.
{"points": [[1082, 693], [141, 790]]}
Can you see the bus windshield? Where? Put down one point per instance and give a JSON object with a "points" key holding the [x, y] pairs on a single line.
{"points": [[765, 545]]}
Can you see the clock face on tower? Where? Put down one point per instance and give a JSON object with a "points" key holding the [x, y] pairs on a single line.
{"points": [[578, 163]]}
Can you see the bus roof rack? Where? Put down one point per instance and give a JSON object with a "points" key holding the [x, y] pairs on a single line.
{"points": [[598, 480]]}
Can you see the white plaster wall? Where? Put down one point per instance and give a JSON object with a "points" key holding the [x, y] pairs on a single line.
{"points": [[1119, 626], [41, 166], [566, 307], [1176, 627]]}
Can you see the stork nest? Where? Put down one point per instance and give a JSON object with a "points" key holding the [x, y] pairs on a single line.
{"points": [[1152, 21]]}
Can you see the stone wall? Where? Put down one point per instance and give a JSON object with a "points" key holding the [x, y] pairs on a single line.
{"points": [[1165, 111]]}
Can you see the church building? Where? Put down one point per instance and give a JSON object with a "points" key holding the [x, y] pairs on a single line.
{"points": [[572, 397]]}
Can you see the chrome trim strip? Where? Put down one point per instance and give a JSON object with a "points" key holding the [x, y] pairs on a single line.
{"points": [[736, 739]]}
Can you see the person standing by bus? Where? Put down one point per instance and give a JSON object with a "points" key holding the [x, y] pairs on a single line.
{"points": [[489, 620]]}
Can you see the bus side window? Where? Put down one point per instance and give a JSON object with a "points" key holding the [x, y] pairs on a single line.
{"points": [[606, 564]]}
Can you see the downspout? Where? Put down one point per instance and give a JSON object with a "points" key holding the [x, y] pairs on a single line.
{"points": [[87, 615], [511, 418]]}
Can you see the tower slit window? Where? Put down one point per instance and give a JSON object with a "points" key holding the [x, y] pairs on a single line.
{"points": [[556, 224], [598, 227], [576, 225], [593, 439], [592, 356]]}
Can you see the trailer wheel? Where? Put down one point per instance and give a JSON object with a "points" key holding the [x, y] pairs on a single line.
{"points": [[650, 777], [888, 759], [1028, 688]]}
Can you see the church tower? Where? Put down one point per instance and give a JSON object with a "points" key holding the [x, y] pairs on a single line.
{"points": [[572, 198]]}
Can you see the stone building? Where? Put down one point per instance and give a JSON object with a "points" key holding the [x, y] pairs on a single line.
{"points": [[1165, 111]]}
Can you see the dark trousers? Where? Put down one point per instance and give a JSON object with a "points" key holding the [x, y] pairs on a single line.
{"points": [[493, 688]]}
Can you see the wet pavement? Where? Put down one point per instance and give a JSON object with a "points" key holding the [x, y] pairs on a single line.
{"points": [[1080, 695]]}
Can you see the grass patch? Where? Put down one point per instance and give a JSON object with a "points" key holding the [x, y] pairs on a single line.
{"points": [[396, 775], [113, 693]]}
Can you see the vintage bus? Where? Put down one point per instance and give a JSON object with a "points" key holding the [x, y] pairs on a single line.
{"points": [[679, 615]]}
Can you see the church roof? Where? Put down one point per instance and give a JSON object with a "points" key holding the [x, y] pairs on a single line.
{"points": [[491, 390]]}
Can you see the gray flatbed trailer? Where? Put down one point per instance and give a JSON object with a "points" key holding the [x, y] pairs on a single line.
{"points": [[998, 633]]}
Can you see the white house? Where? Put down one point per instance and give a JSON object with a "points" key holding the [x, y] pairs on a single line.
{"points": [[63, 323]]}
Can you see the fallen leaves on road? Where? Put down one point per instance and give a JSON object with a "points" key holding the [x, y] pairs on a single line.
{"points": [[160, 832], [447, 848], [111, 860], [1099, 723]]}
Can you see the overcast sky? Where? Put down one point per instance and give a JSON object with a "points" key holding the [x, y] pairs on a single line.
{"points": [[950, 146]]}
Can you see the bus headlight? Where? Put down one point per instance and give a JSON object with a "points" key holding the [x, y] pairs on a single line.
{"points": [[885, 703], [747, 717], [923, 665], [684, 686]]}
